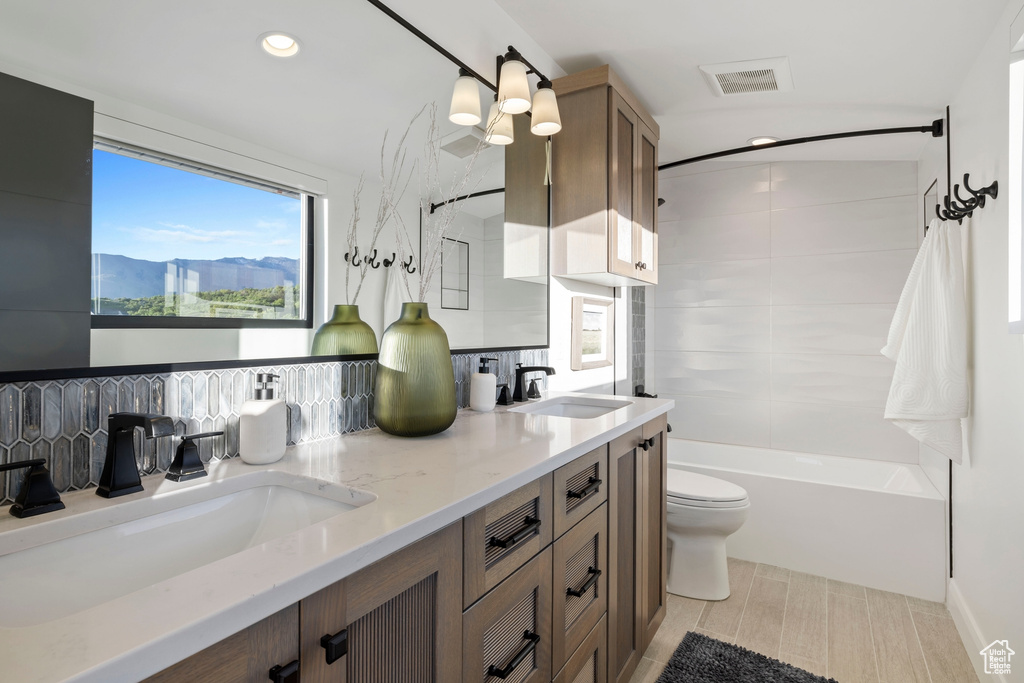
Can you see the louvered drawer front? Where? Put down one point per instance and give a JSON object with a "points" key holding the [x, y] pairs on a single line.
{"points": [[580, 487], [507, 634], [502, 536], [588, 664], [580, 580]]}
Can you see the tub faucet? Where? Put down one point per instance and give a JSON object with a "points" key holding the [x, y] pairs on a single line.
{"points": [[517, 394], [120, 474]]}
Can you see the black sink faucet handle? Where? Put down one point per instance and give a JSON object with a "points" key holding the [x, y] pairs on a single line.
{"points": [[37, 494]]}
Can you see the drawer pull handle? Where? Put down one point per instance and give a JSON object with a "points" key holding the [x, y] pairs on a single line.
{"points": [[595, 574], [336, 645], [531, 524], [647, 444], [289, 673], [593, 484], [504, 673]]}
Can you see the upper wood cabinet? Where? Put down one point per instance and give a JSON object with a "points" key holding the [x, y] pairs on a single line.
{"points": [[604, 183]]}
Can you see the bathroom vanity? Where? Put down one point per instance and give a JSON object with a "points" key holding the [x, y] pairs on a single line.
{"points": [[515, 543]]}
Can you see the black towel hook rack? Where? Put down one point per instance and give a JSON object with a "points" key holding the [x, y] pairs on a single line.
{"points": [[958, 208]]}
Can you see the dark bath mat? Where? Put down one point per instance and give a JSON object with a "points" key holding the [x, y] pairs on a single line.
{"points": [[700, 659]]}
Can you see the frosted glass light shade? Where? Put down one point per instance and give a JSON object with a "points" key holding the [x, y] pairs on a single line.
{"points": [[465, 109], [499, 127], [514, 89], [545, 120]]}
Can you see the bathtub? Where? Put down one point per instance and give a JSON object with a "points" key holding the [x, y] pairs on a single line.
{"points": [[869, 522]]}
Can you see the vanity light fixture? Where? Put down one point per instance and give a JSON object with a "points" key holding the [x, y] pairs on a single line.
{"points": [[513, 85], [279, 44], [545, 120], [465, 109], [499, 126], [762, 140]]}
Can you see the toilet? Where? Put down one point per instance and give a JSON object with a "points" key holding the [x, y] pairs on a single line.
{"points": [[702, 513]]}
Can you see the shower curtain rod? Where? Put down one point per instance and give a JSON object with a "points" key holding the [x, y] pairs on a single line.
{"points": [[935, 129]]}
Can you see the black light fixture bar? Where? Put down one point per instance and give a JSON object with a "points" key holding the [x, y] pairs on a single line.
{"points": [[935, 129], [429, 41], [516, 54]]}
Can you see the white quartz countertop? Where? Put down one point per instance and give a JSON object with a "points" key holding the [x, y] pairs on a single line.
{"points": [[421, 485]]}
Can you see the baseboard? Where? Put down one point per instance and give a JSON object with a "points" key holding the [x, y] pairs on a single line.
{"points": [[969, 632]]}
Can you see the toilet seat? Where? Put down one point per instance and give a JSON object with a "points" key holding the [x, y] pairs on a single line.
{"points": [[698, 490]]}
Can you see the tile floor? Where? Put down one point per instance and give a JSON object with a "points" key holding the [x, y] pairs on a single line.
{"points": [[850, 633]]}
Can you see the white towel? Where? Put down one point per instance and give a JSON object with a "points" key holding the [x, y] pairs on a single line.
{"points": [[394, 294], [928, 341]]}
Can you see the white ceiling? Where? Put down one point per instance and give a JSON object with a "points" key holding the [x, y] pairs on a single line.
{"points": [[855, 64]]}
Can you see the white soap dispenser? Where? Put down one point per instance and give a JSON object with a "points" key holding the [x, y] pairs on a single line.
{"points": [[483, 387], [263, 424]]}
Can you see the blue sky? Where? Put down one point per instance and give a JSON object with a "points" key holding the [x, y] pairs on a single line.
{"points": [[153, 212]]}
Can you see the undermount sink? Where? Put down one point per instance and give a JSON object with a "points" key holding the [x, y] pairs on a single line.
{"points": [[61, 567], [579, 407]]}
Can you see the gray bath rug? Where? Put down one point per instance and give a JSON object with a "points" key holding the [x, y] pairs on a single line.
{"points": [[700, 659]]}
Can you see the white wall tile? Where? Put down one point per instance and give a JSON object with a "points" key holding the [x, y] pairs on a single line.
{"points": [[734, 328], [700, 373], [722, 420], [738, 190], [715, 238], [504, 294], [808, 183], [840, 328], [848, 380], [869, 225], [839, 430], [720, 283], [865, 278]]}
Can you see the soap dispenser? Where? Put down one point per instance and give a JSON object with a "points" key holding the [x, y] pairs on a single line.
{"points": [[482, 387], [263, 424]]}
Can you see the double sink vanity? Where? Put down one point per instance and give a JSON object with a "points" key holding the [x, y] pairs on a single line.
{"points": [[523, 544]]}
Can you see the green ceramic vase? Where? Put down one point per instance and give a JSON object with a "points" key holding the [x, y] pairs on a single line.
{"points": [[414, 394], [344, 334]]}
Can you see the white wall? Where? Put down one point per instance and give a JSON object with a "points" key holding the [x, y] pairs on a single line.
{"points": [[777, 285], [987, 596], [598, 380]]}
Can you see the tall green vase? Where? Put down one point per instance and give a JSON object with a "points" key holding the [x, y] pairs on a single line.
{"points": [[414, 394], [345, 333]]}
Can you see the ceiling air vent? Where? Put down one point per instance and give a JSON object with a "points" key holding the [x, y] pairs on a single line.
{"points": [[463, 142], [756, 75]]}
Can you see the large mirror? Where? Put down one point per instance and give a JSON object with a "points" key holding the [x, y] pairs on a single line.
{"points": [[303, 129]]}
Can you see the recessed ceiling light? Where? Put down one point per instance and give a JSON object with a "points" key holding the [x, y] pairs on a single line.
{"points": [[762, 140], [279, 44]]}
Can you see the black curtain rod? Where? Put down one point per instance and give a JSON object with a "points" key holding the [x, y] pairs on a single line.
{"points": [[481, 193], [935, 129], [426, 39]]}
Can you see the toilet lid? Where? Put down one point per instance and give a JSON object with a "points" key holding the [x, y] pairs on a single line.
{"points": [[688, 486]]}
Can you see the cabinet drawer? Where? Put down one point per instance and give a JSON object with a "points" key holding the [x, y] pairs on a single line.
{"points": [[589, 663], [507, 634], [579, 579], [499, 538], [580, 487]]}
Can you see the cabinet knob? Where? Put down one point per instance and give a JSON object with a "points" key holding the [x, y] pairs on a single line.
{"points": [[638, 265], [647, 444], [336, 645], [289, 673]]}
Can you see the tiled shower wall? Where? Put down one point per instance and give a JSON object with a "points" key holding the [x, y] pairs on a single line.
{"points": [[777, 285], [64, 421]]}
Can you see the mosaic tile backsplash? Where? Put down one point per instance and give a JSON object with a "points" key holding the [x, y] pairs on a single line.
{"points": [[65, 421], [638, 330]]}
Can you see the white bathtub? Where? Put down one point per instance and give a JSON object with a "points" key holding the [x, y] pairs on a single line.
{"points": [[868, 522]]}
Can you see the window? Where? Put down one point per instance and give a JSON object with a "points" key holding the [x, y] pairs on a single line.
{"points": [[176, 244]]}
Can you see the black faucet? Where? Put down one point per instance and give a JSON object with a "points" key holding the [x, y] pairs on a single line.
{"points": [[120, 474], [37, 494], [187, 464], [517, 394]]}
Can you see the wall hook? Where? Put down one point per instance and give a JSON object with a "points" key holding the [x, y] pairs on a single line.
{"points": [[372, 260], [388, 261], [355, 257], [409, 268]]}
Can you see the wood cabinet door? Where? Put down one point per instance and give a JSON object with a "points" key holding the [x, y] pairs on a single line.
{"points": [[245, 657], [653, 550], [625, 637], [401, 618], [646, 223], [589, 663], [622, 191]]}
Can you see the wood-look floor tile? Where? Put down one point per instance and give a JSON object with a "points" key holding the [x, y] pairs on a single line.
{"points": [[770, 571], [800, 577], [761, 626], [803, 633], [843, 588], [816, 668], [680, 617], [898, 652], [647, 671], [851, 656], [926, 606], [712, 634], [723, 617], [943, 650]]}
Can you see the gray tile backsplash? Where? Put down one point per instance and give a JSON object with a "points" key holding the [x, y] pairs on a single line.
{"points": [[638, 331], [64, 421]]}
